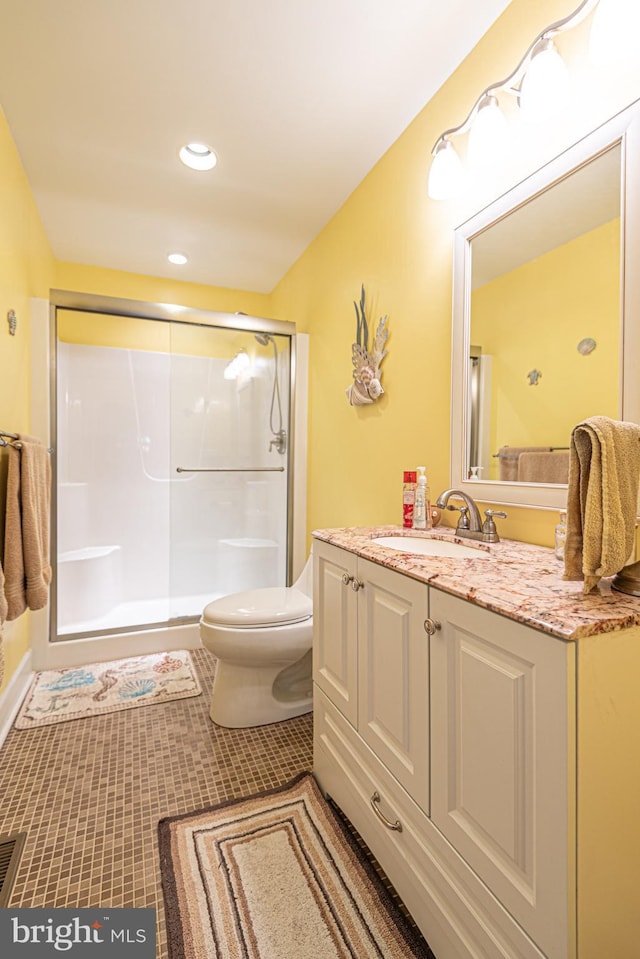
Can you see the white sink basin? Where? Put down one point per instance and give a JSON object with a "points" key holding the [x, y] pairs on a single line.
{"points": [[430, 547]]}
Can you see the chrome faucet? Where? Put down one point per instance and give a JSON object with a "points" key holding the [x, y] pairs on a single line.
{"points": [[470, 524]]}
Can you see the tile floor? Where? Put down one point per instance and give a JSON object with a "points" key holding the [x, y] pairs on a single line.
{"points": [[89, 793]]}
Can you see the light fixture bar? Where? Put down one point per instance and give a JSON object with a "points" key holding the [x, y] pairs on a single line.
{"points": [[510, 83]]}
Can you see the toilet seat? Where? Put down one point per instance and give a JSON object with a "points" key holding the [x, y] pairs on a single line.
{"points": [[261, 639], [273, 606]]}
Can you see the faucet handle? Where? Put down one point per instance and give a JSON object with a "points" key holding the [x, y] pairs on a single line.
{"points": [[463, 522], [489, 531]]}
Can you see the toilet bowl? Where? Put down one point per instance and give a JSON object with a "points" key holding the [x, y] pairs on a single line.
{"points": [[262, 640]]}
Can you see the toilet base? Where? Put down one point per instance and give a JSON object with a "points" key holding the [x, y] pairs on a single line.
{"points": [[245, 696]]}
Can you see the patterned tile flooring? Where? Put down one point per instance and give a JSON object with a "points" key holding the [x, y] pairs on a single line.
{"points": [[89, 793]]}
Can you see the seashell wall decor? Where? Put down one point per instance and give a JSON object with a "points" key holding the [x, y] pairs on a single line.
{"points": [[366, 386]]}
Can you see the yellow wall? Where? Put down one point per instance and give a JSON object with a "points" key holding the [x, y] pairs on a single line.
{"points": [[390, 236], [26, 270], [533, 318], [77, 278]]}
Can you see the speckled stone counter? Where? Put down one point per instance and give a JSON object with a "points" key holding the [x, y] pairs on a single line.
{"points": [[518, 580]]}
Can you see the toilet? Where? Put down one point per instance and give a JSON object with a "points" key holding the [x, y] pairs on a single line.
{"points": [[262, 640]]}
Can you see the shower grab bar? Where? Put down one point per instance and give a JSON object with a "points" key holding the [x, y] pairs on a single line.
{"points": [[232, 469]]}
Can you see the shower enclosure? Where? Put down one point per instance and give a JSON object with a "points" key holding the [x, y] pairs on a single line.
{"points": [[173, 463]]}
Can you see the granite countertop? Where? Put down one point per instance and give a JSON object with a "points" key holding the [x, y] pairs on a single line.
{"points": [[518, 580]]}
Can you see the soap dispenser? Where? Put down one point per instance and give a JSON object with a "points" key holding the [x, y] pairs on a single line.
{"points": [[561, 536], [422, 507]]}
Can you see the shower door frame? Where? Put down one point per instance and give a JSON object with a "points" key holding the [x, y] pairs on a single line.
{"points": [[168, 313]]}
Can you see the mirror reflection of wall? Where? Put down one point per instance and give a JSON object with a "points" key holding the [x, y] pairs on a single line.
{"points": [[545, 278]]}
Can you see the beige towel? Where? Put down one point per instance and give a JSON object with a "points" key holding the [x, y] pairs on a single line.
{"points": [[26, 545], [3, 604], [509, 457], [3, 616], [544, 467], [604, 472]]}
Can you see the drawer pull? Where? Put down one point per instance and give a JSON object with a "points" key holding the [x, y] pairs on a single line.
{"points": [[356, 584], [432, 626], [397, 825], [346, 579]]}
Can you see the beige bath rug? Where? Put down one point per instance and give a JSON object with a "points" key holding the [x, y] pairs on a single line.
{"points": [[75, 693], [276, 876]]}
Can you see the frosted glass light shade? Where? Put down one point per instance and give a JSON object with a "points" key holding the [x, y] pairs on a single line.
{"points": [[614, 32], [488, 136], [545, 89], [446, 174]]}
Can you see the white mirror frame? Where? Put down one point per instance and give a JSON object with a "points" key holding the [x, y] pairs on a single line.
{"points": [[624, 128]]}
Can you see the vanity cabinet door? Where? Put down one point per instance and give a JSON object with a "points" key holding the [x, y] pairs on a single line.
{"points": [[393, 675], [335, 627], [503, 762]]}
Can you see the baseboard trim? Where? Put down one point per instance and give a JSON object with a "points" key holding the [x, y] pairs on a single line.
{"points": [[13, 694]]}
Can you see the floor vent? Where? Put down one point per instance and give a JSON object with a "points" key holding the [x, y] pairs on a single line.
{"points": [[10, 852]]}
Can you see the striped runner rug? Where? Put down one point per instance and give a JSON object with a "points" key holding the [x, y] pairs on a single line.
{"points": [[276, 876]]}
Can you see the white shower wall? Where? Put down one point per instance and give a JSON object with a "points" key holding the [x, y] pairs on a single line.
{"points": [[138, 542]]}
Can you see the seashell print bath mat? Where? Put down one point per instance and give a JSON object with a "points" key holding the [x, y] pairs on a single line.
{"points": [[57, 695]]}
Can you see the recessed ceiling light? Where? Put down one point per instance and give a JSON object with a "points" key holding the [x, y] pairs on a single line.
{"points": [[178, 258], [198, 156]]}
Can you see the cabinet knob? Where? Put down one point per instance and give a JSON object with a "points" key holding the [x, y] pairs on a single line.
{"points": [[346, 579], [432, 626], [356, 584]]}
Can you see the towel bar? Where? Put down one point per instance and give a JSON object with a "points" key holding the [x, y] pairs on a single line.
{"points": [[231, 469]]}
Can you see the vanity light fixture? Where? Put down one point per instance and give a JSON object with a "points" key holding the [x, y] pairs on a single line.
{"points": [[178, 259], [488, 136], [198, 156], [541, 84], [545, 89], [446, 176]]}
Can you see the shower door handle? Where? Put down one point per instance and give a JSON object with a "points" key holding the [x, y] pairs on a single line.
{"points": [[231, 469]]}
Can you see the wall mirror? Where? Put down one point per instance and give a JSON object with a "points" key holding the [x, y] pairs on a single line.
{"points": [[546, 318]]}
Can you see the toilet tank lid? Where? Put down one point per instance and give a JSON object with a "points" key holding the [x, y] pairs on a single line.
{"points": [[273, 606]]}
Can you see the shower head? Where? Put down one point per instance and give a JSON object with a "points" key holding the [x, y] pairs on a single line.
{"points": [[263, 338]]}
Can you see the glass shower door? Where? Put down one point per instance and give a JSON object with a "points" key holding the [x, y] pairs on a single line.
{"points": [[229, 464], [171, 489]]}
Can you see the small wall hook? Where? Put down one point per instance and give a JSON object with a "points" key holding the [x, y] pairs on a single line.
{"points": [[12, 320], [534, 376]]}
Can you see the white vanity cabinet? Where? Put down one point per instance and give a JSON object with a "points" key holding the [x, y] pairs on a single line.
{"points": [[452, 754], [503, 748], [371, 659]]}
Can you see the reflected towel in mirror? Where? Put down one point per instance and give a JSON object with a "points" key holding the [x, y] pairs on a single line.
{"points": [[544, 467], [509, 457]]}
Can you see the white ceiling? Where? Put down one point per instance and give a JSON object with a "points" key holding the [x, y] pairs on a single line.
{"points": [[299, 98]]}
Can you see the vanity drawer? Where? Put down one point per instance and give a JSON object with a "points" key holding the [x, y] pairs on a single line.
{"points": [[456, 913]]}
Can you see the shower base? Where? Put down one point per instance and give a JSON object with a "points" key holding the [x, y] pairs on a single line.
{"points": [[140, 613]]}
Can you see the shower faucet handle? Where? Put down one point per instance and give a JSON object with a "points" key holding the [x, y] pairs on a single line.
{"points": [[279, 441]]}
